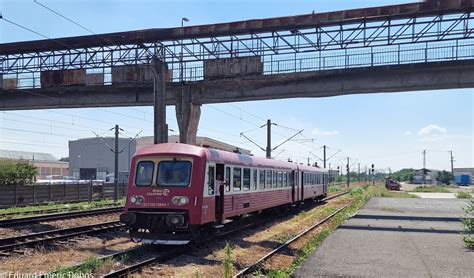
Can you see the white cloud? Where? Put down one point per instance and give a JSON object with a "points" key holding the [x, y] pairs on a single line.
{"points": [[433, 133], [407, 133], [432, 130], [317, 131]]}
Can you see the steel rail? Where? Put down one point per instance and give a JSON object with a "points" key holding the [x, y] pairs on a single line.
{"points": [[49, 211], [56, 216], [249, 269], [124, 272], [29, 240]]}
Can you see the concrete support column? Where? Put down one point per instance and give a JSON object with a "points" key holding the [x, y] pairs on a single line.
{"points": [[188, 115], [159, 109]]}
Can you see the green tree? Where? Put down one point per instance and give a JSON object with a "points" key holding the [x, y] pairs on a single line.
{"points": [[404, 175], [64, 159], [445, 177], [16, 173]]}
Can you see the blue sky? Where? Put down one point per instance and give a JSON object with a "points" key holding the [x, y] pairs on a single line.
{"points": [[390, 130]]}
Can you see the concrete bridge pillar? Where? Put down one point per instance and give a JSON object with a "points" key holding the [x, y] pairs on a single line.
{"points": [[159, 108], [188, 115]]}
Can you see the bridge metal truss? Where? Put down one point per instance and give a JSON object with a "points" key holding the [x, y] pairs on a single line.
{"points": [[351, 44]]}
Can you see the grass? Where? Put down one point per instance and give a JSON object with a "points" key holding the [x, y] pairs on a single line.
{"points": [[463, 195], [381, 191], [228, 264], [334, 189], [468, 223], [89, 265], [71, 206], [436, 188]]}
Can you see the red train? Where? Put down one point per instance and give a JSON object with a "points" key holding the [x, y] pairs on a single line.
{"points": [[176, 191]]}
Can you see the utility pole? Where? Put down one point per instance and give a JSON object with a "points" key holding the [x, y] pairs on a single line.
{"points": [[309, 164], [365, 174], [324, 155], [269, 139], [373, 175], [116, 153], [452, 163], [348, 173], [358, 175], [424, 166]]}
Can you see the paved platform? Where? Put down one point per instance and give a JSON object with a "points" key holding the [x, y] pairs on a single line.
{"points": [[394, 237], [434, 195]]}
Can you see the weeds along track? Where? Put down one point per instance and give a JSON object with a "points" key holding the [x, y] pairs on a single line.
{"points": [[11, 244], [57, 216], [9, 215], [168, 255]]}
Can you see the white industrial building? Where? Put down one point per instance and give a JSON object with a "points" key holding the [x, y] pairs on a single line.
{"points": [[93, 158]]}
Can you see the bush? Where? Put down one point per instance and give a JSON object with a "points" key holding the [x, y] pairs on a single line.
{"points": [[468, 223], [445, 177], [16, 173]]}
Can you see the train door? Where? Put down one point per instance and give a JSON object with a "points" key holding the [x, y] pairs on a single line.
{"points": [[302, 179], [293, 186], [220, 192]]}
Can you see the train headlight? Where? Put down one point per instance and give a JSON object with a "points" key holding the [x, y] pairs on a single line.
{"points": [[180, 200], [137, 200]]}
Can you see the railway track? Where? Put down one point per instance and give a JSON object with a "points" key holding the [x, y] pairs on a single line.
{"points": [[56, 216], [124, 272], [7, 245], [9, 215], [251, 268]]}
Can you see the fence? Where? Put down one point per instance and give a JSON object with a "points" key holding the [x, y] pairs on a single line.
{"points": [[37, 194]]}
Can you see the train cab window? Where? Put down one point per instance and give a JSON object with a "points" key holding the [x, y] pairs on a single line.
{"points": [[144, 174], [174, 173], [255, 179], [246, 179], [210, 180], [227, 179], [269, 179], [262, 179], [237, 179]]}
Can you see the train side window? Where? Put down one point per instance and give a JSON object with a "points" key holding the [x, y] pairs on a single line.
{"points": [[210, 180], [269, 179], [246, 179], [262, 179], [144, 174], [275, 179], [255, 179], [280, 179], [286, 179], [237, 179], [227, 179]]}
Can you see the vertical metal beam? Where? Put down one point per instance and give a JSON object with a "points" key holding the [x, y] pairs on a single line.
{"points": [[159, 109], [116, 154], [269, 139]]}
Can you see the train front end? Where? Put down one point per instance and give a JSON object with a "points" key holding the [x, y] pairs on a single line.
{"points": [[164, 194]]}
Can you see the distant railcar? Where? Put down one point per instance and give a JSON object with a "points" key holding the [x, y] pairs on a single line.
{"points": [[176, 191]]}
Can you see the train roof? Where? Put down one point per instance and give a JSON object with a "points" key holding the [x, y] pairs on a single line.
{"points": [[223, 157]]}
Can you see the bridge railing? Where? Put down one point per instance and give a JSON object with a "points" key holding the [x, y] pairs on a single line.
{"points": [[462, 49]]}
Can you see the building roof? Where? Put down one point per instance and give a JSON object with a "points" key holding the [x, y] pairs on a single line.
{"points": [[200, 142], [464, 170], [21, 155]]}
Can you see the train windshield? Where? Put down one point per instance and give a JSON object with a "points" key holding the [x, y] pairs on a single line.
{"points": [[174, 173]]}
